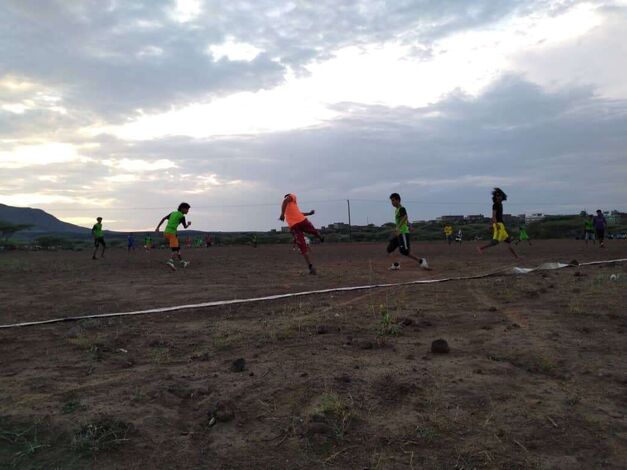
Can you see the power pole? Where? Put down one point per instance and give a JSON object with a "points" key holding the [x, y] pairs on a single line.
{"points": [[350, 230]]}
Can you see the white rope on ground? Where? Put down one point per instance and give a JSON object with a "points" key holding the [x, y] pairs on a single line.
{"points": [[216, 303]]}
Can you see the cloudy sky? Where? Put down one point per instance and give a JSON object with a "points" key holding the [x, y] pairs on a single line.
{"points": [[126, 108]]}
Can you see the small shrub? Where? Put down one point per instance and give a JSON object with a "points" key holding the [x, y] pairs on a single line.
{"points": [[104, 434], [72, 406]]}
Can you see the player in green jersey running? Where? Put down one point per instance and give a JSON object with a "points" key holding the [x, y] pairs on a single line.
{"points": [[175, 219], [400, 239]]}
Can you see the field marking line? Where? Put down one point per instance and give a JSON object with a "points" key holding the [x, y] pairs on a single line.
{"points": [[217, 303]]}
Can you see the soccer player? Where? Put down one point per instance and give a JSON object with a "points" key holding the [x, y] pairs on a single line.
{"points": [[499, 233], [460, 236], [448, 234], [588, 230], [522, 236], [299, 225], [99, 240], [175, 219], [147, 242], [131, 242], [400, 239], [600, 223]]}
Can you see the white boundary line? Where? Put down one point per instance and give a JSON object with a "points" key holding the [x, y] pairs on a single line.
{"points": [[216, 303]]}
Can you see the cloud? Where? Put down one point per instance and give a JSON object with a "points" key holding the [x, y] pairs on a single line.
{"points": [[127, 108], [139, 165], [368, 74], [38, 154]]}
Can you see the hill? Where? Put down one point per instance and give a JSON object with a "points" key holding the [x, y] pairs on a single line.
{"points": [[41, 221]]}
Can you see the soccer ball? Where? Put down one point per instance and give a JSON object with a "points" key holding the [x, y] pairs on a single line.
{"points": [[613, 277]]}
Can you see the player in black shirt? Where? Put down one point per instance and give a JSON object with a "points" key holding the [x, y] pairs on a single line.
{"points": [[499, 233]]}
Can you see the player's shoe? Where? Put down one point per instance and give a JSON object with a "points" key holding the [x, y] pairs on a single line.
{"points": [[424, 265], [395, 267], [170, 265], [184, 264], [312, 271]]}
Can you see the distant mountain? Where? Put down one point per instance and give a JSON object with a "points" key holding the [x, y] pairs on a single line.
{"points": [[41, 221]]}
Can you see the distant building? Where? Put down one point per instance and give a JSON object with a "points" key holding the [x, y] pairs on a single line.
{"points": [[475, 219], [285, 229], [450, 219], [339, 226], [535, 217], [613, 218]]}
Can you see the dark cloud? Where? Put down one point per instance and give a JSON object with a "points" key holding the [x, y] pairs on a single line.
{"points": [[91, 51], [552, 152]]}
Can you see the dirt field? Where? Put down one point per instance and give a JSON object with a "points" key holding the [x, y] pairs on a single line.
{"points": [[536, 376]]}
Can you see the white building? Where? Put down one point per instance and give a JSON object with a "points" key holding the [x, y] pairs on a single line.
{"points": [[534, 217]]}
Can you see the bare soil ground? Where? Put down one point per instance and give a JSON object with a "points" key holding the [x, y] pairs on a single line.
{"points": [[536, 376]]}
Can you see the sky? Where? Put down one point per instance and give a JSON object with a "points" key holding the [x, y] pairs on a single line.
{"points": [[124, 109]]}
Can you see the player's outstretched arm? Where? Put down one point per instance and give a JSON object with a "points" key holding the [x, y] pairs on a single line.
{"points": [[161, 222]]}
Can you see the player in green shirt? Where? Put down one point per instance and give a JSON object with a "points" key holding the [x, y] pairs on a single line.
{"points": [[175, 219], [588, 230], [147, 242], [400, 239], [98, 234], [523, 236]]}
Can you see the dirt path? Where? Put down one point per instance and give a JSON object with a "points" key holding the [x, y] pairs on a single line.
{"points": [[535, 377]]}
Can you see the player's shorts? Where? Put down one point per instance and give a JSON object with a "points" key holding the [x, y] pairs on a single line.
{"points": [[499, 234], [298, 232], [523, 237], [588, 235], [172, 240], [98, 241], [401, 242]]}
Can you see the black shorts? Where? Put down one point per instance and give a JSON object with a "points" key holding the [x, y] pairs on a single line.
{"points": [[600, 232], [401, 242], [99, 241]]}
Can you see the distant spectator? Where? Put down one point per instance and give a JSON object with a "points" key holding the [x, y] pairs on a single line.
{"points": [[600, 223], [131, 242], [99, 240], [460, 236]]}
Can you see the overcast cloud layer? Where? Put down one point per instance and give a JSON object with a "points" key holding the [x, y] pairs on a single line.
{"points": [[124, 109]]}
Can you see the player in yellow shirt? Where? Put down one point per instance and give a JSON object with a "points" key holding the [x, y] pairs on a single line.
{"points": [[448, 234]]}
